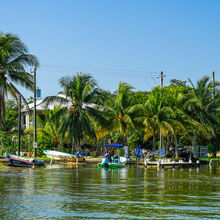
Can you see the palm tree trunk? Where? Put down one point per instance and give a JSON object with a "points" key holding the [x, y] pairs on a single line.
{"points": [[176, 144], [79, 141], [72, 145], [2, 107], [154, 141], [194, 142]]}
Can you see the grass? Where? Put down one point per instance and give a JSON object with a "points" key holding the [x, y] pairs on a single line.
{"points": [[214, 159], [2, 166], [45, 158]]}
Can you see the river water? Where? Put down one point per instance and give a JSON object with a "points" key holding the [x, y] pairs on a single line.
{"points": [[90, 193]]}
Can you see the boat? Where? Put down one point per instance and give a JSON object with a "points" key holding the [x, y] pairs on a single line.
{"points": [[118, 162], [23, 162], [57, 155], [4, 160], [111, 165]]}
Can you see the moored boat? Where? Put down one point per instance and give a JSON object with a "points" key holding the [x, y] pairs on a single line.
{"points": [[4, 160], [23, 162], [117, 162], [57, 155], [111, 165]]}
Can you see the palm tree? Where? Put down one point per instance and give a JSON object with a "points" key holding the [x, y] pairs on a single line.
{"points": [[117, 111], [155, 116], [49, 126], [13, 61], [201, 106], [79, 101]]}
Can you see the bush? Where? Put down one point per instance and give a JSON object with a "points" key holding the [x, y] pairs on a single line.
{"points": [[210, 148], [44, 143], [7, 143]]}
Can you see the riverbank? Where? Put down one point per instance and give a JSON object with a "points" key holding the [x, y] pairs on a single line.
{"points": [[214, 160], [2, 166]]}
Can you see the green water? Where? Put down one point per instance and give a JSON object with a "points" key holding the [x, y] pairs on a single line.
{"points": [[92, 193]]}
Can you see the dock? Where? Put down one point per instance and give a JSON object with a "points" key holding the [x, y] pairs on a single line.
{"points": [[173, 164], [163, 164]]}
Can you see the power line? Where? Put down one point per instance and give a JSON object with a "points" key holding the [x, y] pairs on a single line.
{"points": [[91, 69], [132, 74]]}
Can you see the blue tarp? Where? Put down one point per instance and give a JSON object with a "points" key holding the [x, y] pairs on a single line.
{"points": [[113, 145], [161, 151]]}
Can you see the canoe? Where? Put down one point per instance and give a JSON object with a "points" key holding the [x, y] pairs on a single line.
{"points": [[57, 155], [23, 162], [111, 165]]}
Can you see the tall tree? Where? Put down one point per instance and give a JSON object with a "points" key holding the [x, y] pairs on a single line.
{"points": [[119, 116], [79, 101], [156, 115], [202, 107], [13, 62]]}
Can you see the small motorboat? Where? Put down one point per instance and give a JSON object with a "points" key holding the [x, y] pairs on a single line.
{"points": [[111, 165], [23, 162], [57, 155], [118, 162]]}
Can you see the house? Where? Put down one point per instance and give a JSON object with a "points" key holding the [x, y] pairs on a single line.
{"points": [[28, 112]]}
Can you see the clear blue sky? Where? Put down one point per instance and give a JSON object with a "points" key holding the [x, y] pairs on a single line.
{"points": [[117, 40]]}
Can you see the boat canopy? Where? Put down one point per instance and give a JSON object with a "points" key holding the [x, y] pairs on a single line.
{"points": [[161, 152], [113, 145]]}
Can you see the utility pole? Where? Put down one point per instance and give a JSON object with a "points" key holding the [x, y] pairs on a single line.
{"points": [[213, 97], [161, 86], [19, 124], [161, 79], [35, 120]]}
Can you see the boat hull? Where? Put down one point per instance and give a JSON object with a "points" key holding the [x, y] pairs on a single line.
{"points": [[23, 162], [56, 155], [111, 165]]}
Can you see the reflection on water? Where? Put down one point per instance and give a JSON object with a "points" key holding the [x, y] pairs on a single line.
{"points": [[87, 192]]}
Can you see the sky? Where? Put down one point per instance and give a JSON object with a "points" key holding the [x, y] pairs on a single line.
{"points": [[117, 40]]}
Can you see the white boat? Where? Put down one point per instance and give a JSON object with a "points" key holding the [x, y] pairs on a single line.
{"points": [[57, 155]]}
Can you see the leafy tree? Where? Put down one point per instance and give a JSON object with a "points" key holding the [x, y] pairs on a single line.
{"points": [[177, 82], [7, 143], [11, 116]]}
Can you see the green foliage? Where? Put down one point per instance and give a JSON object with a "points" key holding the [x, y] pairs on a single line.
{"points": [[7, 143], [80, 93], [11, 116], [14, 60], [177, 82], [210, 148], [44, 143], [135, 139]]}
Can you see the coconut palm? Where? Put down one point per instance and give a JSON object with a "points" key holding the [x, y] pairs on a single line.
{"points": [[117, 111], [156, 116], [13, 61], [49, 126], [79, 102], [202, 107]]}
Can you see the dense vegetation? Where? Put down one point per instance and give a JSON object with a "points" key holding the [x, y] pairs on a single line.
{"points": [[90, 117], [86, 116]]}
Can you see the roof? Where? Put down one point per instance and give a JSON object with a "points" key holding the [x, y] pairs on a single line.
{"points": [[113, 145], [40, 105]]}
